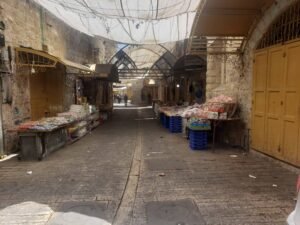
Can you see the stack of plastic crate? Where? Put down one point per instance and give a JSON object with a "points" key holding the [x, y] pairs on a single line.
{"points": [[175, 125], [166, 121], [161, 118], [198, 140]]}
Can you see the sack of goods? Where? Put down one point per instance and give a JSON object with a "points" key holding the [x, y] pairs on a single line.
{"points": [[80, 110], [220, 107]]}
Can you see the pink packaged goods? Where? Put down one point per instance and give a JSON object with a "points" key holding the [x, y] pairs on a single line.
{"points": [[219, 107], [221, 99]]}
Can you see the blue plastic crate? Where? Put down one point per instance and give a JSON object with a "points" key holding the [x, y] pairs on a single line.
{"points": [[175, 124], [161, 118], [198, 147], [198, 136], [166, 121], [198, 140], [176, 119]]}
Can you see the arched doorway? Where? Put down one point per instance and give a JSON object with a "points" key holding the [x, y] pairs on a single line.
{"points": [[189, 79], [276, 89]]}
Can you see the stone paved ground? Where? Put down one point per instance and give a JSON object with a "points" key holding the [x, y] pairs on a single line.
{"points": [[96, 181]]}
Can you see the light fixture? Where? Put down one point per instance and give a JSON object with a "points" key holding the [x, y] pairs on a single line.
{"points": [[151, 82], [93, 67], [32, 68], [178, 85]]}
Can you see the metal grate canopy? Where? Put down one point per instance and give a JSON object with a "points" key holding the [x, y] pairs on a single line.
{"points": [[222, 26], [285, 28], [31, 57], [153, 61], [216, 45], [28, 57]]}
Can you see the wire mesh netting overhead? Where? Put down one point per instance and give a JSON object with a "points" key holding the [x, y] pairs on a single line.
{"points": [[140, 61], [128, 21], [145, 56]]}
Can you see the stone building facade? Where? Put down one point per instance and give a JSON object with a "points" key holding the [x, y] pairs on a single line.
{"points": [[232, 75], [28, 24]]}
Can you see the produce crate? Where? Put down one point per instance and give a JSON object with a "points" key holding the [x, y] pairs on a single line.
{"points": [[198, 124], [166, 121], [175, 124], [198, 140], [161, 118]]}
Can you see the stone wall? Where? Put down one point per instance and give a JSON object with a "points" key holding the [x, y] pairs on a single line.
{"points": [[232, 75], [106, 49], [29, 25]]}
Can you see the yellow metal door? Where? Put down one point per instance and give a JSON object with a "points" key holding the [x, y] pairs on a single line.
{"points": [[54, 91], [38, 97], [290, 118], [274, 101], [259, 100]]}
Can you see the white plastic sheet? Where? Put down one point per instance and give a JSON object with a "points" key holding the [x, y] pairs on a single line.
{"points": [[128, 21]]}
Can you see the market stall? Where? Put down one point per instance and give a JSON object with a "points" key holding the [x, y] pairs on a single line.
{"points": [[200, 118], [39, 138], [107, 74], [49, 89]]}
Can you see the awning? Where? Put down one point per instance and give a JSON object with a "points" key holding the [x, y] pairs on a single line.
{"points": [[228, 21], [107, 72], [229, 17], [37, 58], [75, 67]]}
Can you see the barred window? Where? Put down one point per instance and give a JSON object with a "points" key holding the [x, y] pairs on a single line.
{"points": [[285, 28]]}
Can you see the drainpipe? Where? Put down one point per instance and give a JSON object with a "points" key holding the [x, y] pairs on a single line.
{"points": [[1, 125], [42, 22], [3, 69]]}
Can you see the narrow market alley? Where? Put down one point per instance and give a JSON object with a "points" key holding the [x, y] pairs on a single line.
{"points": [[149, 112], [132, 171]]}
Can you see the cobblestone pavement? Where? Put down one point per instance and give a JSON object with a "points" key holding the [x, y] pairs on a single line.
{"points": [[89, 175], [133, 171]]}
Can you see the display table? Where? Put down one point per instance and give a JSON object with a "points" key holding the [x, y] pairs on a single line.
{"points": [[38, 144], [171, 118], [215, 123]]}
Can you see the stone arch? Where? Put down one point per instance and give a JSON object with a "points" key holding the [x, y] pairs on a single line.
{"points": [[189, 72]]}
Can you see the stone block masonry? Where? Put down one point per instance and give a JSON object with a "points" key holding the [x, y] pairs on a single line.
{"points": [[28, 24], [232, 75]]}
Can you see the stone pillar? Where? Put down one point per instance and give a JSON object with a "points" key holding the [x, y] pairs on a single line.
{"points": [[213, 74], [137, 87]]}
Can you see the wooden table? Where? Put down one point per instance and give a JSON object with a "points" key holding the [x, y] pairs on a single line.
{"points": [[215, 123], [37, 144]]}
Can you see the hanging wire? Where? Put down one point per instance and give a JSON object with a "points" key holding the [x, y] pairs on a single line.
{"points": [[100, 11], [139, 23]]}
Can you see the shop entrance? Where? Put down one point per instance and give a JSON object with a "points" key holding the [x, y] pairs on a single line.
{"points": [[47, 92], [276, 105], [276, 93], [189, 80]]}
